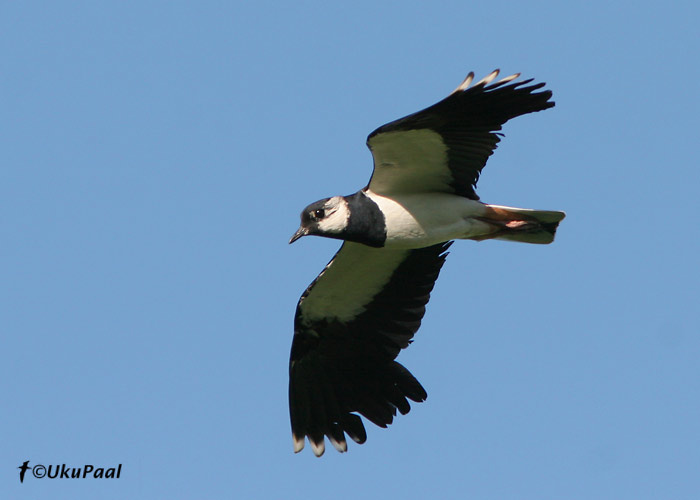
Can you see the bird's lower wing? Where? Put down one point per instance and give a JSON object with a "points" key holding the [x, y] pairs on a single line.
{"points": [[350, 325]]}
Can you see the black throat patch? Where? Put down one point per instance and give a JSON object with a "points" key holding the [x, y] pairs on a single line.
{"points": [[366, 223]]}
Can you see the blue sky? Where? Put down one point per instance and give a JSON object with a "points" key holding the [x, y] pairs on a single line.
{"points": [[156, 155]]}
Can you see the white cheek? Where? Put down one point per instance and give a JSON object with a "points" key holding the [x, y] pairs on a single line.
{"points": [[337, 221]]}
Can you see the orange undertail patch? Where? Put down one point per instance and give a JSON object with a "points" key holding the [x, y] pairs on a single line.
{"points": [[521, 224]]}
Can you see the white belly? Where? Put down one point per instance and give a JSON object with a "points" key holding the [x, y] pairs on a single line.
{"points": [[421, 220]]}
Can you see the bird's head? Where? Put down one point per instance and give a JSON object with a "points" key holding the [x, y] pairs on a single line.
{"points": [[328, 217]]}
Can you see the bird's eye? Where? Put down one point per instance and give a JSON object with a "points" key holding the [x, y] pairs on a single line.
{"points": [[319, 214]]}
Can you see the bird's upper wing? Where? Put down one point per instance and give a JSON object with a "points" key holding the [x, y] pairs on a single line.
{"points": [[444, 147], [350, 325]]}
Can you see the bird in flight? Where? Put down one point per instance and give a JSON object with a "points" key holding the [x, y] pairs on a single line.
{"points": [[366, 305]]}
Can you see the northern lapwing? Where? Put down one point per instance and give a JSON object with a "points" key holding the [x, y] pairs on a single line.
{"points": [[366, 305]]}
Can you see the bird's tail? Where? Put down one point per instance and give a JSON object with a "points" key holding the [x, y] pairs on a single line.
{"points": [[522, 224]]}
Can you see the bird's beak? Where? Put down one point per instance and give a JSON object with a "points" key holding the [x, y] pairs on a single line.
{"points": [[302, 231]]}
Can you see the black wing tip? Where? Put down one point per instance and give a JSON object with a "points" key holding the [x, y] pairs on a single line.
{"points": [[351, 426], [524, 98], [508, 84], [488, 84], [376, 396]]}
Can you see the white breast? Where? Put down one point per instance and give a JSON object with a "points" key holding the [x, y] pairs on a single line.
{"points": [[421, 220]]}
